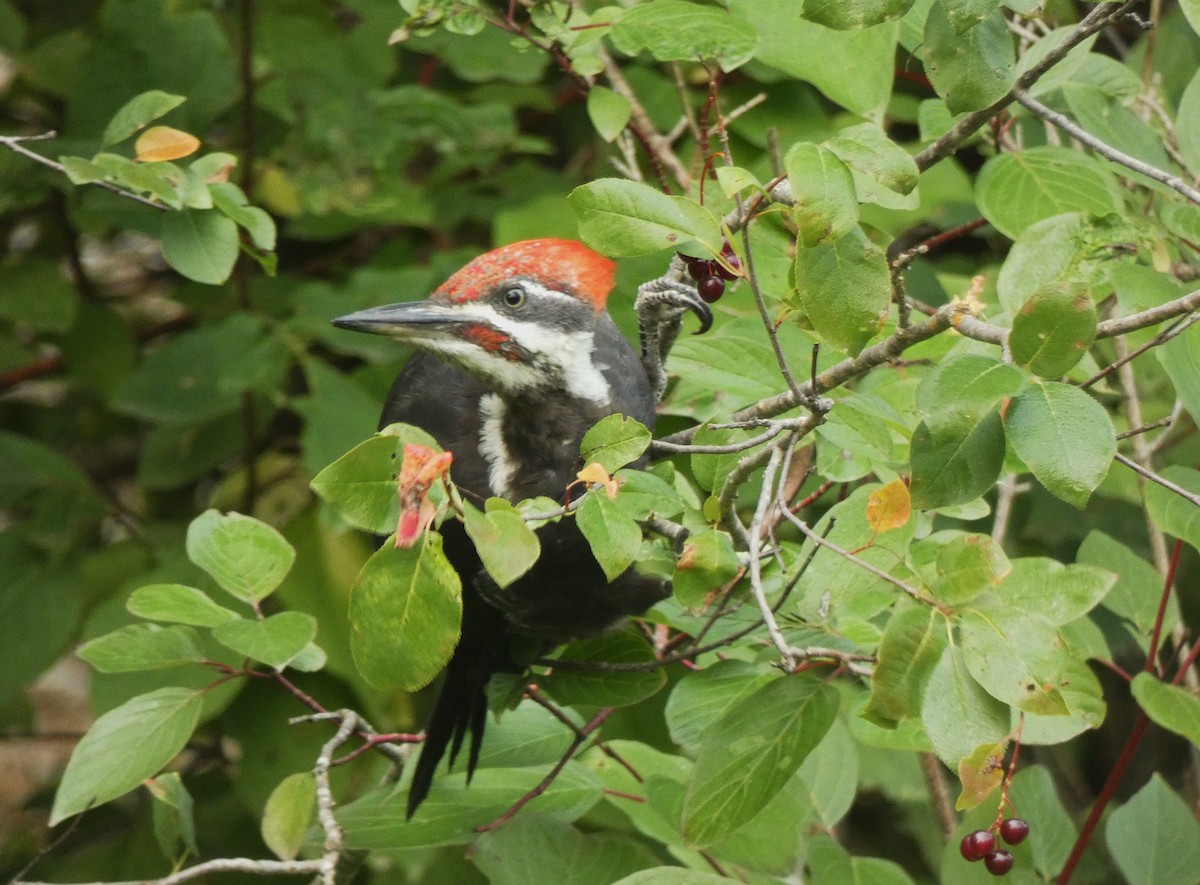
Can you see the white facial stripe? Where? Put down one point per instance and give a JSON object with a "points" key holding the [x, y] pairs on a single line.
{"points": [[569, 352], [491, 444]]}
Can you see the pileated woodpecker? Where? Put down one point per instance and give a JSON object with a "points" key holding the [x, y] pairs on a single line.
{"points": [[519, 357]]}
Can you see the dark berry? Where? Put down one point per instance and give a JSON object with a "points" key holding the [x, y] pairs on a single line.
{"points": [[1014, 830], [998, 862], [974, 846], [698, 268], [730, 272], [732, 267], [711, 288]]}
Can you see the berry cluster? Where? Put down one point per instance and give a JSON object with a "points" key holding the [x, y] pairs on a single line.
{"points": [[981, 845], [711, 275]]}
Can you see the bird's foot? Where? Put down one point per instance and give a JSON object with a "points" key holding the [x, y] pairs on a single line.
{"points": [[660, 307]]}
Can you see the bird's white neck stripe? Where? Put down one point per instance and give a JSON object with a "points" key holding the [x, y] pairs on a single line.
{"points": [[501, 468]]}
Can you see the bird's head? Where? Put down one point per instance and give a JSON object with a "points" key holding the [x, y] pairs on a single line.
{"points": [[520, 318]]}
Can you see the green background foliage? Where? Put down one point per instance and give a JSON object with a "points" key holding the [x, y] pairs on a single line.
{"points": [[939, 285]]}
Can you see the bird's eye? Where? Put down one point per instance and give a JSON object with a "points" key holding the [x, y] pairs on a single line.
{"points": [[514, 296]]}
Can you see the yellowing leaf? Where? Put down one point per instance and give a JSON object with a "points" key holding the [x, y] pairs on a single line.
{"points": [[889, 507], [160, 143], [594, 473], [980, 773]]}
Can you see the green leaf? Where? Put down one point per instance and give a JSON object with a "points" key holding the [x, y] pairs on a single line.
{"points": [[625, 218], [968, 565], [1064, 436], [405, 614], [1017, 657], [844, 288], [970, 70], [142, 647], [1154, 837], [1171, 512], [965, 14], [957, 464], [201, 375], [451, 814], [673, 30], [1051, 830], [1054, 330], [702, 697], [156, 179], [1180, 357], [604, 688], [275, 640], [1016, 190], [735, 179], [361, 484], [507, 547], [821, 56], [1106, 117], [1071, 248], [1188, 122], [202, 244], [608, 111], [229, 199], [642, 495], [288, 814], [177, 604], [1174, 708], [138, 112], [246, 557], [957, 713], [145, 733], [672, 876], [1138, 590], [1078, 588], [707, 562], [174, 821], [531, 849], [845, 15], [614, 537], [913, 642], [963, 387], [753, 750], [614, 441], [824, 202], [883, 170]]}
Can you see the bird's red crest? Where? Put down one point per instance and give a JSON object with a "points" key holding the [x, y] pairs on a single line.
{"points": [[558, 263]]}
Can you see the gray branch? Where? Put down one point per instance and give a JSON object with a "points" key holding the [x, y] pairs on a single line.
{"points": [[1069, 126]]}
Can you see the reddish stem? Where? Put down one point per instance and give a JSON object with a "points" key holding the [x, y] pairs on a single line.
{"points": [[1160, 615], [1135, 735], [545, 783]]}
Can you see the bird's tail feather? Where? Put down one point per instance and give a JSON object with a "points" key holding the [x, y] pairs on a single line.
{"points": [[461, 707]]}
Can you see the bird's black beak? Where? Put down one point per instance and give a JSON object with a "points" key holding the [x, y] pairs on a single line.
{"points": [[412, 318]]}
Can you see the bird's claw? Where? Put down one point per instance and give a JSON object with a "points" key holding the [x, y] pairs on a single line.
{"points": [[660, 306]]}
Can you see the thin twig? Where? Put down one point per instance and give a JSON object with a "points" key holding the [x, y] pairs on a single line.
{"points": [[1162, 337], [643, 127], [863, 564], [1069, 126], [14, 143], [545, 783], [1160, 480], [753, 538], [535, 695]]}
